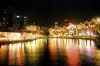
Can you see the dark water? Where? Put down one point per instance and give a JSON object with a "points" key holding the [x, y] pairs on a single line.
{"points": [[51, 52]]}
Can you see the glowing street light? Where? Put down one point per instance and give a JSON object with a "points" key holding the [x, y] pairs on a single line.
{"points": [[17, 16], [24, 17]]}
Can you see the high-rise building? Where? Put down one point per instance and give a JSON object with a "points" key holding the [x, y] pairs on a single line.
{"points": [[12, 19], [6, 19], [3, 19]]}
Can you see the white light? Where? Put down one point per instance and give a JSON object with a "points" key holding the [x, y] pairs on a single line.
{"points": [[17, 16], [88, 33], [24, 17], [80, 34], [98, 19]]}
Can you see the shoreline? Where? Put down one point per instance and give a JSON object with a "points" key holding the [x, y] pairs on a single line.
{"points": [[73, 38], [15, 41]]}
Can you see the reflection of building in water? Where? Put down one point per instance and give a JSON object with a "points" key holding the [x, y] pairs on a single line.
{"points": [[77, 42], [72, 48], [73, 55], [69, 51], [97, 57], [3, 54], [16, 54], [19, 53]]}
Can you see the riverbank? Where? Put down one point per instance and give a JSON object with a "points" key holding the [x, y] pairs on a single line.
{"points": [[73, 38], [15, 41]]}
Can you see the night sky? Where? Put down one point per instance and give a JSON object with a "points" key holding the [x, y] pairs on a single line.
{"points": [[46, 12]]}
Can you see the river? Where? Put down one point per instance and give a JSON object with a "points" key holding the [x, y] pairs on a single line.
{"points": [[50, 52]]}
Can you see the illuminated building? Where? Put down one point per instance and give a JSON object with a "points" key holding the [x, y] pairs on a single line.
{"points": [[31, 28], [88, 29], [4, 19]]}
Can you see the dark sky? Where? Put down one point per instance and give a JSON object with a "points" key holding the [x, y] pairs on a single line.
{"points": [[49, 11]]}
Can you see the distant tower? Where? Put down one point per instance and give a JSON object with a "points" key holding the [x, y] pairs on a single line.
{"points": [[56, 24]]}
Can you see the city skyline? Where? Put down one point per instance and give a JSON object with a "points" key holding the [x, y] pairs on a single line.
{"points": [[46, 12], [49, 33]]}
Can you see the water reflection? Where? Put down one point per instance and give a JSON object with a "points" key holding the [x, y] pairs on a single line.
{"points": [[51, 52], [74, 52], [22, 53]]}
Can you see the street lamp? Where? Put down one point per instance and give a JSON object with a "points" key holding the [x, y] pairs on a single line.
{"points": [[17, 16]]}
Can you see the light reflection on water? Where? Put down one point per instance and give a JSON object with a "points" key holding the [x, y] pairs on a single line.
{"points": [[51, 52]]}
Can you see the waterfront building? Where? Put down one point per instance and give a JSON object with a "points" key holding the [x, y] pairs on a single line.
{"points": [[88, 29]]}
